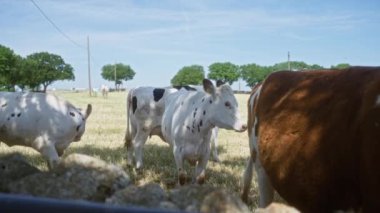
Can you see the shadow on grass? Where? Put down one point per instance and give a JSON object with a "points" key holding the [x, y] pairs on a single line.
{"points": [[160, 168], [159, 165], [113, 155]]}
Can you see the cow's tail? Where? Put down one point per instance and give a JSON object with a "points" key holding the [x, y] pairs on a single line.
{"points": [[252, 129], [251, 108], [128, 135]]}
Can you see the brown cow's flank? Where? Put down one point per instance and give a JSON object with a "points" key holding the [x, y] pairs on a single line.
{"points": [[319, 137]]}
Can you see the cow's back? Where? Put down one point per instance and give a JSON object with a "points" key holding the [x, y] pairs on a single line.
{"points": [[147, 107], [26, 116], [313, 134], [179, 106]]}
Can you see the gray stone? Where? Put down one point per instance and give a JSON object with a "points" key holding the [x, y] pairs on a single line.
{"points": [[168, 206], [223, 202], [149, 195], [207, 199], [76, 177], [14, 167], [190, 197], [277, 208]]}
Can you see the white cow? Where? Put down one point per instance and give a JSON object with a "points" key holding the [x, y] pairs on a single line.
{"points": [[41, 121], [145, 106], [105, 90], [188, 120]]}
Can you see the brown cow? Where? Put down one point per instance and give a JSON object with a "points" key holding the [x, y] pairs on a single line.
{"points": [[315, 139]]}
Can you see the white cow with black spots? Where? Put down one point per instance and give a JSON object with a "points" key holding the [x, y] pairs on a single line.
{"points": [[41, 121], [145, 106], [188, 121]]}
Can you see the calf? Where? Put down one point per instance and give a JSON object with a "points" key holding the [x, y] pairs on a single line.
{"points": [[41, 121], [145, 106], [315, 139], [188, 120]]}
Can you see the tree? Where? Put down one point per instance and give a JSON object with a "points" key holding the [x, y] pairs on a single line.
{"points": [[341, 66], [44, 68], [295, 65], [193, 74], [118, 73], [10, 74], [225, 72], [253, 73], [315, 67]]}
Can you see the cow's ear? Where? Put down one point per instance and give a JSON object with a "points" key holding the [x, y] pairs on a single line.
{"points": [[88, 111], [208, 87]]}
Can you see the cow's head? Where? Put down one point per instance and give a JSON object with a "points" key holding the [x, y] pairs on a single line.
{"points": [[82, 126], [223, 111]]}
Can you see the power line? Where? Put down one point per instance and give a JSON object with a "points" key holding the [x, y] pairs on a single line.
{"points": [[55, 26]]}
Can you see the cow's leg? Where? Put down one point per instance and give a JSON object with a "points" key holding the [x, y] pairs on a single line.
{"points": [[138, 144], [200, 169], [47, 150], [61, 147], [266, 190], [214, 145], [247, 179], [178, 157], [129, 135], [51, 155], [129, 145], [200, 172]]}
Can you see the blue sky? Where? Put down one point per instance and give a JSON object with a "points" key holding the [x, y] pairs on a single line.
{"points": [[157, 38]]}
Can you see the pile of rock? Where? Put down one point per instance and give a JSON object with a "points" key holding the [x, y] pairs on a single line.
{"points": [[81, 177]]}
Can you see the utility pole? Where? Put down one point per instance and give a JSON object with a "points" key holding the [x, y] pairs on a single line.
{"points": [[89, 69], [115, 77], [288, 60]]}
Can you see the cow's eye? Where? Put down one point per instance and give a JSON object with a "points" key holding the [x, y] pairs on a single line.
{"points": [[227, 104]]}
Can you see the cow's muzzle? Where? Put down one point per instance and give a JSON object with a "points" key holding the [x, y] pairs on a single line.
{"points": [[242, 128]]}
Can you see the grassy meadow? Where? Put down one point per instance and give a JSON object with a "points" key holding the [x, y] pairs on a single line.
{"points": [[104, 139]]}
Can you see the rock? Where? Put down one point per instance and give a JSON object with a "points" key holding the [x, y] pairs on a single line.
{"points": [[76, 177], [190, 197], [277, 208], [168, 205], [149, 195], [223, 201], [14, 167], [196, 198]]}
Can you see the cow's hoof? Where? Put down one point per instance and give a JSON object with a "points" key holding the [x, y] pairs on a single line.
{"points": [[244, 197], [201, 179], [52, 164], [182, 178], [130, 164], [139, 171], [215, 159]]}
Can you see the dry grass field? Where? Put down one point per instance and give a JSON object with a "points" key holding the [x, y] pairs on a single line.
{"points": [[104, 139]]}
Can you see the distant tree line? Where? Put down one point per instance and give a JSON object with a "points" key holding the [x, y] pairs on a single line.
{"points": [[230, 73], [39, 70]]}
